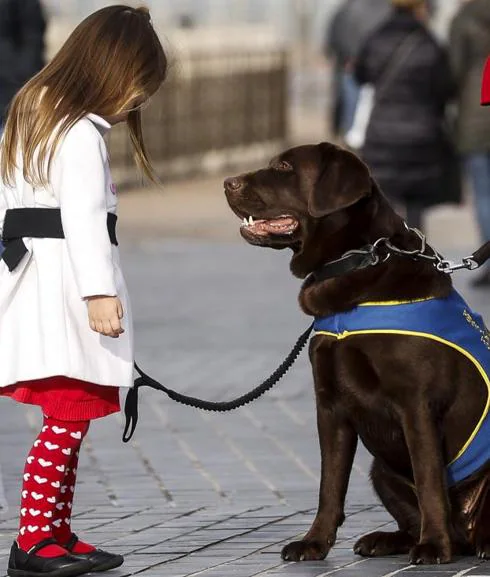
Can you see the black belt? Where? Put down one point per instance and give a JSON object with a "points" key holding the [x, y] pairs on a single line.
{"points": [[22, 223]]}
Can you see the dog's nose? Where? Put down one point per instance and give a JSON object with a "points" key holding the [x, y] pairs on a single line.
{"points": [[234, 183]]}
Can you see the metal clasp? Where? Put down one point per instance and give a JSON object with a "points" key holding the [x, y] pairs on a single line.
{"points": [[449, 266]]}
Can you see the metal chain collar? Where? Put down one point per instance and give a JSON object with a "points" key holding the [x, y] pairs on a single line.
{"points": [[425, 252]]}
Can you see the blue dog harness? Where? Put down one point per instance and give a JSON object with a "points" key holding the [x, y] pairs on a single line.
{"points": [[449, 321]]}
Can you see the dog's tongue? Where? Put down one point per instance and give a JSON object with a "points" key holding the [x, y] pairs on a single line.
{"points": [[280, 225]]}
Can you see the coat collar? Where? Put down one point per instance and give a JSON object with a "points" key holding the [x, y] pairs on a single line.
{"points": [[102, 125]]}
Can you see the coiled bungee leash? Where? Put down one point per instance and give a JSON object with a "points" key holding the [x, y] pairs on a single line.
{"points": [[367, 256], [144, 380]]}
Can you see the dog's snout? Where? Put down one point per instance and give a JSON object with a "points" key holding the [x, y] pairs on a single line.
{"points": [[234, 183]]}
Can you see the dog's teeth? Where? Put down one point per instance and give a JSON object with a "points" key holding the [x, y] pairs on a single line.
{"points": [[245, 222], [250, 220]]}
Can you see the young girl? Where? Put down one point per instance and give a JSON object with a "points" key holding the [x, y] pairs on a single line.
{"points": [[65, 322]]}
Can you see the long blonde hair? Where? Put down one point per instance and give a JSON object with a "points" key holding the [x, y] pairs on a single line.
{"points": [[112, 60]]}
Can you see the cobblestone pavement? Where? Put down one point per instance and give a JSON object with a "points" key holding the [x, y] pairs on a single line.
{"points": [[205, 494]]}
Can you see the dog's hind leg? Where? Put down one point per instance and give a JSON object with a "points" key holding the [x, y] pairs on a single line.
{"points": [[400, 500]]}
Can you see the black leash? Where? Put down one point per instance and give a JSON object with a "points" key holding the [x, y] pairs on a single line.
{"points": [[144, 380], [367, 256]]}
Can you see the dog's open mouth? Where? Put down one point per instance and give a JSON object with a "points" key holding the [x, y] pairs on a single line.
{"points": [[282, 225]]}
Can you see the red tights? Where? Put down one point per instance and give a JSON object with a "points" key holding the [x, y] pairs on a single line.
{"points": [[49, 485]]}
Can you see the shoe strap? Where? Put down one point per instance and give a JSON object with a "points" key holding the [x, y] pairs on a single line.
{"points": [[70, 545], [41, 545]]}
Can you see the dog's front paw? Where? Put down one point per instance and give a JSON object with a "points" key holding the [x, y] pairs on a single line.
{"points": [[305, 551], [430, 553]]}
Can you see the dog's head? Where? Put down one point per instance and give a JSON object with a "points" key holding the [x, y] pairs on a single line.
{"points": [[304, 189]]}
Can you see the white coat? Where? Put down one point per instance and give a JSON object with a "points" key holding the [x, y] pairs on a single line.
{"points": [[44, 326]]}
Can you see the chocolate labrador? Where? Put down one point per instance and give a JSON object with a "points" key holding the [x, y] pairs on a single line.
{"points": [[416, 403]]}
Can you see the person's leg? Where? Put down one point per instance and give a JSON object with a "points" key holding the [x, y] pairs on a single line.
{"points": [[350, 96], [44, 473], [62, 517], [478, 169], [61, 525]]}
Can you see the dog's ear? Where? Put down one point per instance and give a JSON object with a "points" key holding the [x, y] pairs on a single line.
{"points": [[342, 180]]}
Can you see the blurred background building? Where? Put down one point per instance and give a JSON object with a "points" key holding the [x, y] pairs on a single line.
{"points": [[248, 78]]}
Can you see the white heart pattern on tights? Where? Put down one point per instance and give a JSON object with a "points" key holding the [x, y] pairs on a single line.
{"points": [[32, 528], [45, 428], [48, 515], [44, 463], [40, 480], [57, 523], [23, 511], [77, 435], [51, 446], [69, 505], [72, 489], [63, 489], [26, 476], [22, 530], [74, 471], [60, 468], [34, 512], [45, 529], [60, 506], [37, 443], [58, 430], [67, 520], [36, 496], [55, 484], [66, 451], [30, 459], [25, 493], [51, 499]]}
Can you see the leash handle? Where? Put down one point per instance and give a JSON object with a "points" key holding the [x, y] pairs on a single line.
{"points": [[131, 412], [144, 380]]}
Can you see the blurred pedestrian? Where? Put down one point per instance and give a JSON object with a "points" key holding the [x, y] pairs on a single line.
{"points": [[351, 24], [22, 28], [63, 300], [407, 144], [469, 48]]}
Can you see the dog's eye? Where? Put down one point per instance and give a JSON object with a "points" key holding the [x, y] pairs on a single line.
{"points": [[284, 166]]}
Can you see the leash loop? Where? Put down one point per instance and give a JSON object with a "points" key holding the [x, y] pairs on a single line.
{"points": [[144, 380]]}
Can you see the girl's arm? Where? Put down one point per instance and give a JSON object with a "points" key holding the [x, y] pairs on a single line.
{"points": [[79, 180]]}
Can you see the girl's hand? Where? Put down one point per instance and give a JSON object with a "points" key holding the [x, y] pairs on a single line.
{"points": [[105, 314]]}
